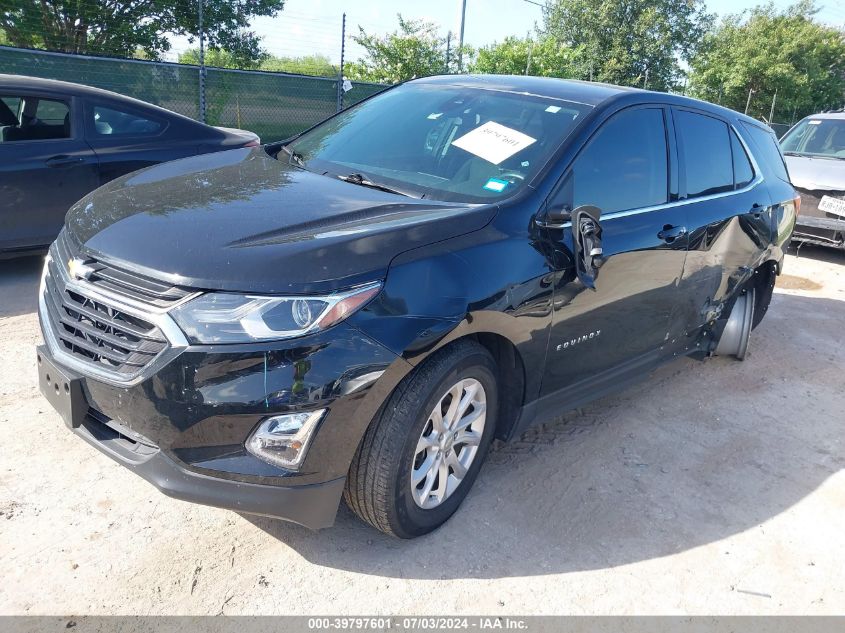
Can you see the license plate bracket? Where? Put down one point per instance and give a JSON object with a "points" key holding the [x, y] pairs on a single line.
{"points": [[62, 389]]}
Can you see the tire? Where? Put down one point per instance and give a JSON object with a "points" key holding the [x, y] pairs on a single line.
{"points": [[379, 486], [764, 290]]}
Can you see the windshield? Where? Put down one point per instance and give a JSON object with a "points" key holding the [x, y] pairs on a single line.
{"points": [[440, 142], [816, 137]]}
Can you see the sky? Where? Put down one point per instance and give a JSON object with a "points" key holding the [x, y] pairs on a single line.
{"points": [[314, 26]]}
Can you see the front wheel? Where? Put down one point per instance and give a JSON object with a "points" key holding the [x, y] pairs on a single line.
{"points": [[422, 453]]}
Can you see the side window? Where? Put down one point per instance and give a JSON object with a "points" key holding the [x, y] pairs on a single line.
{"points": [[10, 108], [743, 171], [33, 119], [113, 122], [766, 147], [706, 153], [625, 164], [51, 112]]}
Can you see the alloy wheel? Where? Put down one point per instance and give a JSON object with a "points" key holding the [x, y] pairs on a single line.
{"points": [[449, 443]]}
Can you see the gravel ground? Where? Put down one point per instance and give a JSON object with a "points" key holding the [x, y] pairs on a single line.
{"points": [[714, 487]]}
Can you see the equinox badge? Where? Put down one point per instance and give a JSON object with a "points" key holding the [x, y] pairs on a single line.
{"points": [[580, 339]]}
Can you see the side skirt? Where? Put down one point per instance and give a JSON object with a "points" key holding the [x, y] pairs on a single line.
{"points": [[611, 381]]}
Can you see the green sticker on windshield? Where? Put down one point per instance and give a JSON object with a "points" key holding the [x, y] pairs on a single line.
{"points": [[494, 184]]}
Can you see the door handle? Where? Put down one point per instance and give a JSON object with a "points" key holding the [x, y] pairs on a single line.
{"points": [[670, 233], [63, 160]]}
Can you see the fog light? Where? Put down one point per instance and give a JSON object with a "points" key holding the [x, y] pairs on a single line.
{"points": [[283, 439]]}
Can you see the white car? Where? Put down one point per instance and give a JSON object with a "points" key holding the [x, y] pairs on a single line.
{"points": [[815, 156]]}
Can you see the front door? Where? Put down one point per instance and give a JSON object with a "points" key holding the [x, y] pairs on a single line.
{"points": [[625, 170], [45, 166]]}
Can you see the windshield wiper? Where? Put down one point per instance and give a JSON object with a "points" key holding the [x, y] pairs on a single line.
{"points": [[295, 157], [809, 155], [363, 181]]}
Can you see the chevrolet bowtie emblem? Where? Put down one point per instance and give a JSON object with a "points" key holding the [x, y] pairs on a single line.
{"points": [[78, 269]]}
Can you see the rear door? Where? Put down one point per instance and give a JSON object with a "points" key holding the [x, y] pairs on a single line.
{"points": [[127, 138], [626, 170], [45, 166], [729, 212]]}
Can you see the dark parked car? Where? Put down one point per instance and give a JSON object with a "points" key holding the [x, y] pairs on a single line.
{"points": [[359, 311], [815, 156], [59, 141]]}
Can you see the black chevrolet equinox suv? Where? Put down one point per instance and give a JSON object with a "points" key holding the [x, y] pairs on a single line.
{"points": [[360, 310]]}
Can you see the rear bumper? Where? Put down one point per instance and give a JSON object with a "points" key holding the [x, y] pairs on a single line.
{"points": [[313, 506]]}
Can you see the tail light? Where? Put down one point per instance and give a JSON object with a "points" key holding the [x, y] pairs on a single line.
{"points": [[253, 143]]}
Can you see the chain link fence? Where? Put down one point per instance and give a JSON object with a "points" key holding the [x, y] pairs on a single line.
{"points": [[273, 105]]}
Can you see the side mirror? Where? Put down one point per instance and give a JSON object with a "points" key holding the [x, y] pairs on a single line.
{"points": [[586, 233], [556, 216]]}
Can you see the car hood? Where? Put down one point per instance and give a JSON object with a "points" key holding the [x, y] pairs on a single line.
{"points": [[816, 174], [243, 221]]}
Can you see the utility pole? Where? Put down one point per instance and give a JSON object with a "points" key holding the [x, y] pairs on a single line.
{"points": [[530, 50], [748, 101], [772, 111], [461, 37], [202, 64], [448, 50], [340, 70], [645, 83]]}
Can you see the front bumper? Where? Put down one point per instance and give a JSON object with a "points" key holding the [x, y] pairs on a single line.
{"points": [[815, 226], [313, 506], [183, 428]]}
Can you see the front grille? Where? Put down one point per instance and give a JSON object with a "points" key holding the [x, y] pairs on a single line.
{"points": [[810, 202], [123, 283], [88, 322]]}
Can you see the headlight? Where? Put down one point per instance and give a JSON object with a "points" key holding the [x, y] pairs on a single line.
{"points": [[231, 318]]}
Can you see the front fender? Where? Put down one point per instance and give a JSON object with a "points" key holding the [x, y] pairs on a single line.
{"points": [[486, 282]]}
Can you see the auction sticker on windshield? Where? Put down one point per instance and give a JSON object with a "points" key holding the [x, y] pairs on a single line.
{"points": [[832, 205], [493, 142]]}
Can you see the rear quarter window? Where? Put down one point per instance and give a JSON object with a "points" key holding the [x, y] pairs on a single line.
{"points": [[767, 150], [743, 171]]}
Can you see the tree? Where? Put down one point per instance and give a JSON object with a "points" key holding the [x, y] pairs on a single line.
{"points": [[623, 41], [544, 57], [121, 27], [763, 51], [221, 58], [416, 49], [317, 65]]}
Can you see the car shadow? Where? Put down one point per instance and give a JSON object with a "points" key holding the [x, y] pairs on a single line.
{"points": [[19, 279], [699, 452]]}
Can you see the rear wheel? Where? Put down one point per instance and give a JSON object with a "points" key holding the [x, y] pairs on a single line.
{"points": [[735, 336], [422, 453]]}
